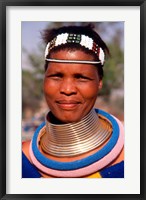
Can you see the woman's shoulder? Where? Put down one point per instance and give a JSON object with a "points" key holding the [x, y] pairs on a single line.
{"points": [[25, 148], [28, 169]]}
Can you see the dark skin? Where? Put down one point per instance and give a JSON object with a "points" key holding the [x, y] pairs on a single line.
{"points": [[71, 89]]}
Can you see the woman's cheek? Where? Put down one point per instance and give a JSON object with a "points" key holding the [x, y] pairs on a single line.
{"points": [[90, 91], [50, 87]]}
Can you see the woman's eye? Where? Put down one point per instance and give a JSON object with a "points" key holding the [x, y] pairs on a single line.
{"points": [[83, 78], [54, 76]]}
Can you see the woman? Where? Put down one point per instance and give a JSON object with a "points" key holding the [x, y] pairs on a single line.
{"points": [[75, 140]]}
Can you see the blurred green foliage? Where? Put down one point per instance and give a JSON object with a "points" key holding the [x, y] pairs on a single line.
{"points": [[32, 79], [113, 71]]}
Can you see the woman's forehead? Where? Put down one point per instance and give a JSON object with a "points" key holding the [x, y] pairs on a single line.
{"points": [[71, 68], [71, 54]]}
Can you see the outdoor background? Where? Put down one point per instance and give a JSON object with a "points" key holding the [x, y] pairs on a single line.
{"points": [[111, 97]]}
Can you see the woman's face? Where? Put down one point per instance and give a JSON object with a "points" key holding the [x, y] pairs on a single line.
{"points": [[71, 89]]}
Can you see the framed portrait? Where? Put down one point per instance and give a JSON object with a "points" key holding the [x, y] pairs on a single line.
{"points": [[122, 26]]}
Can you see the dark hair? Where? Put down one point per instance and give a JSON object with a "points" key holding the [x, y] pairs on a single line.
{"points": [[87, 30]]}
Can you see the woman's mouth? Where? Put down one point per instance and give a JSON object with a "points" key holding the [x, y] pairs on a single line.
{"points": [[67, 105]]}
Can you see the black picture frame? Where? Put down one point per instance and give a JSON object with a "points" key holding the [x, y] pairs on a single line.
{"points": [[3, 92]]}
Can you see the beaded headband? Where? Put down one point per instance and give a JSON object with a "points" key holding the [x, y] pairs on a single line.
{"points": [[82, 40]]}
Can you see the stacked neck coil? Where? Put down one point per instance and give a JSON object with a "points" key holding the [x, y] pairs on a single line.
{"points": [[72, 139]]}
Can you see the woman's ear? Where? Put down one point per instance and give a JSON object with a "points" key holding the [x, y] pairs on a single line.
{"points": [[100, 84]]}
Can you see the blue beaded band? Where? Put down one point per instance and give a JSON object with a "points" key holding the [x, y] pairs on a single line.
{"points": [[82, 162]]}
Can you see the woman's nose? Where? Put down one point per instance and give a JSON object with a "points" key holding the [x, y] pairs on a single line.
{"points": [[68, 87]]}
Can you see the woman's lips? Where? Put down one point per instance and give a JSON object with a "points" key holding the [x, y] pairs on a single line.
{"points": [[67, 105]]}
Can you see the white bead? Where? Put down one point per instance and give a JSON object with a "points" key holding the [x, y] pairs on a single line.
{"points": [[46, 50], [101, 56]]}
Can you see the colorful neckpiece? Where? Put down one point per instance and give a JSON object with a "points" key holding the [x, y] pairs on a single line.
{"points": [[82, 162]]}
